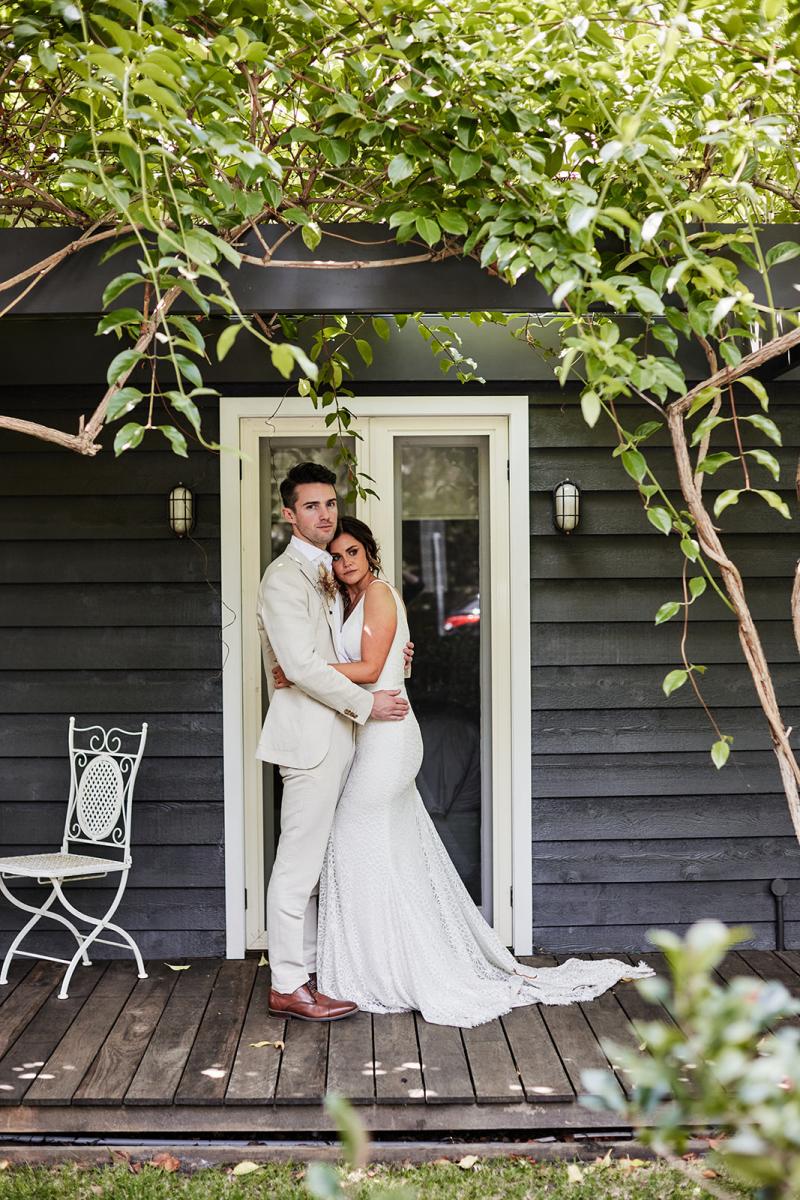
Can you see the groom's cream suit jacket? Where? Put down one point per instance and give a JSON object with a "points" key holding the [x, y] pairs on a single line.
{"points": [[296, 625]]}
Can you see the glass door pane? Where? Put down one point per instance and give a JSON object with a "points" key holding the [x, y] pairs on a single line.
{"points": [[442, 553], [277, 456]]}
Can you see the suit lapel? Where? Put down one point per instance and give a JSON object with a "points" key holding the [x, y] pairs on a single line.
{"points": [[311, 572]]}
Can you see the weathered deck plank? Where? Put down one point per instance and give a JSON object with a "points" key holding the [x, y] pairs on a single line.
{"points": [[303, 1063], [254, 1074], [207, 1072], [162, 1065], [25, 1001], [543, 1076], [23, 1062], [398, 1078], [445, 1072], [494, 1072], [64, 1070], [351, 1069], [109, 1077]]}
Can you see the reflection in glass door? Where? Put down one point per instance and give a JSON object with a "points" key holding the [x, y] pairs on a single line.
{"points": [[441, 546]]}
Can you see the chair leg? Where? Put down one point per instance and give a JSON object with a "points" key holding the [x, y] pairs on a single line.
{"points": [[100, 924], [38, 913]]}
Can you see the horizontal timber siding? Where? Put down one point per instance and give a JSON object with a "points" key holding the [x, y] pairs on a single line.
{"points": [[107, 616], [633, 827]]}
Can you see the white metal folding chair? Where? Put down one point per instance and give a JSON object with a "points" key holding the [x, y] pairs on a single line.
{"points": [[103, 767]]}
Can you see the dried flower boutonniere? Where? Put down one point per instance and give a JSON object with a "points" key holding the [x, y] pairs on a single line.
{"points": [[327, 582]]}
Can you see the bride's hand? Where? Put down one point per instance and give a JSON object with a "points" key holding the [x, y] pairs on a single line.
{"points": [[408, 654], [280, 678]]}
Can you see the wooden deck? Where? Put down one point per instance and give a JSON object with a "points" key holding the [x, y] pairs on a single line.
{"points": [[192, 1052]]}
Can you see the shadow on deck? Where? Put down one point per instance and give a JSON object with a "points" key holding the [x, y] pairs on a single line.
{"points": [[193, 1052]]}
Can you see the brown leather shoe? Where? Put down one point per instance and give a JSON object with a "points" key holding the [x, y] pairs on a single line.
{"points": [[308, 1006]]}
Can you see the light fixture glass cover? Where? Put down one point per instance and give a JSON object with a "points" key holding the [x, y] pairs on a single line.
{"points": [[566, 506], [181, 510]]}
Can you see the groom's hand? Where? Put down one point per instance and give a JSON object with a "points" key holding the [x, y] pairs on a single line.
{"points": [[389, 706], [408, 654]]}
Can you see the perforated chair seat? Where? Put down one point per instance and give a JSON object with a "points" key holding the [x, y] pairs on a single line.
{"points": [[58, 866]]}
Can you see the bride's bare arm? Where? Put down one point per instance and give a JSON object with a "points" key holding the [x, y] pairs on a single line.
{"points": [[380, 625]]}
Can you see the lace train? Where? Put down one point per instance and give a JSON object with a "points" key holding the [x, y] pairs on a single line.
{"points": [[397, 928]]}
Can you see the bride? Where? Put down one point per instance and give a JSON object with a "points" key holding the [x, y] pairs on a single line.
{"points": [[397, 928]]}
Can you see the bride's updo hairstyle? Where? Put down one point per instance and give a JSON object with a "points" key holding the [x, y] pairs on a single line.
{"points": [[363, 534]]}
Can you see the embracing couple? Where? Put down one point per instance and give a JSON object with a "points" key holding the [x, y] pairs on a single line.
{"points": [[395, 929]]}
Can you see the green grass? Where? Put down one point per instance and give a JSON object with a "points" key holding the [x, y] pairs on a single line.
{"points": [[491, 1179]]}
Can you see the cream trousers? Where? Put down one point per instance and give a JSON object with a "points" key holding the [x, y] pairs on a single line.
{"points": [[307, 811]]}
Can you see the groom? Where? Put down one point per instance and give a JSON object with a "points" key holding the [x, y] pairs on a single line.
{"points": [[309, 732]]}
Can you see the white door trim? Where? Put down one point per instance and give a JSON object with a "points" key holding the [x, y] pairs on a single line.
{"points": [[238, 607]]}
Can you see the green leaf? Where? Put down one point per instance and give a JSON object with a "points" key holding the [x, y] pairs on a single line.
{"points": [[667, 611], [187, 407], [713, 462], [725, 500], [120, 316], [579, 217], [464, 163], [189, 370], [175, 439], [454, 222], [428, 230], [365, 350], [591, 408], [661, 519], [697, 585], [282, 358], [400, 168], [635, 464], [128, 438], [757, 388], [121, 364], [766, 426], [120, 285], [381, 327], [226, 340], [311, 235], [765, 459], [690, 548], [721, 310], [782, 253], [720, 752], [775, 501], [705, 426], [122, 402], [673, 681]]}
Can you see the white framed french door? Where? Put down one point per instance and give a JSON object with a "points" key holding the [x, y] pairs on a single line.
{"points": [[451, 476]]}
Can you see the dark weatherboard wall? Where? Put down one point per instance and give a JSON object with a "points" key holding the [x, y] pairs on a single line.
{"points": [[632, 825], [106, 615]]}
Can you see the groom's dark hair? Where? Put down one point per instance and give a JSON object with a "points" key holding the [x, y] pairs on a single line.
{"points": [[304, 472]]}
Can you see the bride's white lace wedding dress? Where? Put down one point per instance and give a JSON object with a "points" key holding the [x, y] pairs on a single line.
{"points": [[397, 928]]}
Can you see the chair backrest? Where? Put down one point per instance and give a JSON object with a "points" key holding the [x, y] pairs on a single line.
{"points": [[103, 764]]}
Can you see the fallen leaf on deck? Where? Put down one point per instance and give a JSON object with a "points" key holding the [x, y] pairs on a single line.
{"points": [[574, 1173], [165, 1162], [258, 1045], [605, 1161], [173, 967], [263, 961], [246, 1167], [709, 1174], [4, 1164], [468, 1162]]}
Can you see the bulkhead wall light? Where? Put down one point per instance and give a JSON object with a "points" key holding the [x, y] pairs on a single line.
{"points": [[566, 506], [181, 510]]}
